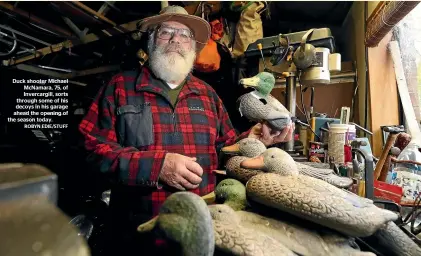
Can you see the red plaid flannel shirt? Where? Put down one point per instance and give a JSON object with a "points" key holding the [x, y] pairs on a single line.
{"points": [[131, 125]]}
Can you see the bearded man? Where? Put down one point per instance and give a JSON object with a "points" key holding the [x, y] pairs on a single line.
{"points": [[159, 130]]}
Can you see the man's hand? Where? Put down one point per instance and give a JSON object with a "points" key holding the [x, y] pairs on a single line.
{"points": [[181, 172], [265, 134]]}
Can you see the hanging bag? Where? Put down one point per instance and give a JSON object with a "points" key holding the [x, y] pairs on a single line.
{"points": [[249, 28], [208, 60]]}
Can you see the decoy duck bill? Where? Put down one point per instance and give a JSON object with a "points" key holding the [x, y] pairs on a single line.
{"points": [[235, 148], [209, 198], [250, 82], [256, 163]]}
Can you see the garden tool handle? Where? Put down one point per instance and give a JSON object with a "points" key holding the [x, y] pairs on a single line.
{"points": [[394, 151], [393, 133]]}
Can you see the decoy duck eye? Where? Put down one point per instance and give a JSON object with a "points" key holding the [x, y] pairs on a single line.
{"points": [[263, 101], [273, 156]]}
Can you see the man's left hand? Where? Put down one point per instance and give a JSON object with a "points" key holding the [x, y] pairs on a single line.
{"points": [[265, 134]]}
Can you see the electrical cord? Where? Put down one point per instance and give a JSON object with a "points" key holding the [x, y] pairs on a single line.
{"points": [[301, 96], [304, 109]]}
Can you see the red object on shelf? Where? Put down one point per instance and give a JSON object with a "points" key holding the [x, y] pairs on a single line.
{"points": [[388, 191], [347, 153]]}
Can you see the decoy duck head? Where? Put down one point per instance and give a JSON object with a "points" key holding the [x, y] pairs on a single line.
{"points": [[231, 192], [272, 160], [185, 220], [223, 213], [262, 82], [249, 147]]}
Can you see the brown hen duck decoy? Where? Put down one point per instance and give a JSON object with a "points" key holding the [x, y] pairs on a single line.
{"points": [[251, 147], [312, 199]]}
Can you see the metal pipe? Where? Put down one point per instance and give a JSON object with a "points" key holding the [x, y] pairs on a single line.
{"points": [[368, 172], [24, 35], [291, 99], [56, 69], [361, 128], [94, 13]]}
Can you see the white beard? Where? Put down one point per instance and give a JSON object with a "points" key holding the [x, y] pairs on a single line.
{"points": [[171, 67]]}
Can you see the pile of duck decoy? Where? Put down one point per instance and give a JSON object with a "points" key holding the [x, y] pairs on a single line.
{"points": [[268, 204]]}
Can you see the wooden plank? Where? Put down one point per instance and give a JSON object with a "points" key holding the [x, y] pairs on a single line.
{"points": [[76, 73], [94, 13], [93, 71], [38, 21], [46, 72], [383, 94], [411, 120], [376, 10], [104, 33]]}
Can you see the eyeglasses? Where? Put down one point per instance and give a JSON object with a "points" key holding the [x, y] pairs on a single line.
{"points": [[166, 33]]}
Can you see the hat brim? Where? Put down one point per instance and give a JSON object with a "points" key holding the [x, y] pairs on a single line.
{"points": [[200, 27]]}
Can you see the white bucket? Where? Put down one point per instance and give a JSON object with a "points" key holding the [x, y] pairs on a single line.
{"points": [[336, 143]]}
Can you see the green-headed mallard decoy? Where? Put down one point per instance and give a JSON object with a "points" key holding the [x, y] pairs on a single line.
{"points": [[312, 199], [184, 219], [259, 105], [231, 192]]}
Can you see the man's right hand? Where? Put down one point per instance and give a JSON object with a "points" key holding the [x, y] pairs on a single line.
{"points": [[181, 172]]}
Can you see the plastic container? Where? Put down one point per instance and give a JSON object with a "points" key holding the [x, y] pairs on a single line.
{"points": [[351, 134], [337, 136], [411, 152]]}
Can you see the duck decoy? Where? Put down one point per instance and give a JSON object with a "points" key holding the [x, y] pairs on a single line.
{"points": [[325, 174], [233, 238], [313, 199], [243, 149], [296, 234], [184, 219], [231, 192], [259, 105], [300, 239], [150, 224], [248, 147], [395, 241], [251, 147]]}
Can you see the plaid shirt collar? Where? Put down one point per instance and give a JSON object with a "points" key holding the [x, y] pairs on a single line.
{"points": [[147, 81]]}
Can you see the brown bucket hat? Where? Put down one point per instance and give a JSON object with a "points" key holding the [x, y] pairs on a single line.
{"points": [[200, 27]]}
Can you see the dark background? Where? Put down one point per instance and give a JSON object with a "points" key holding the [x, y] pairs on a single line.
{"points": [[62, 152]]}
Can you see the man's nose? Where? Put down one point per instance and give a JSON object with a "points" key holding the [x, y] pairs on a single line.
{"points": [[175, 38]]}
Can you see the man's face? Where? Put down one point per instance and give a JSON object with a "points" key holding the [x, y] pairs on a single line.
{"points": [[172, 51], [174, 37]]}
